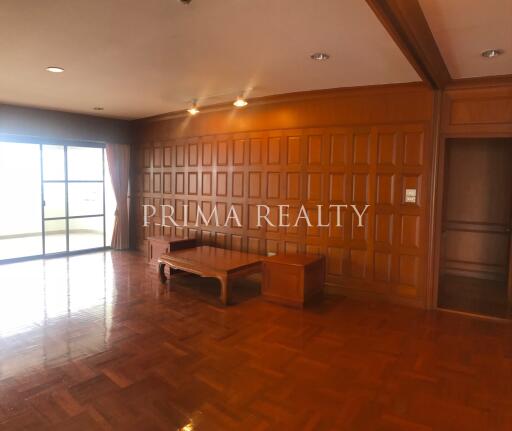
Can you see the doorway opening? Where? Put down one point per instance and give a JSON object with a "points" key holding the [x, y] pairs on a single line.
{"points": [[474, 274], [58, 200]]}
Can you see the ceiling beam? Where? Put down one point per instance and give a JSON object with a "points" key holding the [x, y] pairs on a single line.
{"points": [[405, 22]]}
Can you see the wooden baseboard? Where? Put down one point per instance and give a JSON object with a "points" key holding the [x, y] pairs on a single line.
{"points": [[475, 316]]}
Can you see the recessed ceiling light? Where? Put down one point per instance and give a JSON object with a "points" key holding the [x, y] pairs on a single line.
{"points": [[54, 69], [240, 102], [320, 56], [98, 108], [491, 53]]}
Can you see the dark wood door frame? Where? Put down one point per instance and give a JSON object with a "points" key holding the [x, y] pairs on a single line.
{"points": [[436, 212]]}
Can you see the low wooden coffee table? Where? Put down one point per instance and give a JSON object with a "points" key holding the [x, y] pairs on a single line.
{"points": [[206, 261]]}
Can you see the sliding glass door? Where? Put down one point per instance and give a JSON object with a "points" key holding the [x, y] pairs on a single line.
{"points": [[73, 198], [55, 199], [86, 198], [20, 194]]}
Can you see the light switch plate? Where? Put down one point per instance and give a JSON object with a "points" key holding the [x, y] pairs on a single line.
{"points": [[410, 196]]}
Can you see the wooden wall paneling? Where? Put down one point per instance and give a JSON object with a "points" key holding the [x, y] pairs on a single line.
{"points": [[319, 183], [167, 155], [223, 186], [411, 231], [294, 163], [274, 151], [363, 159], [339, 163], [313, 166], [167, 200], [478, 111], [386, 104], [315, 191], [388, 153], [157, 155], [250, 188]]}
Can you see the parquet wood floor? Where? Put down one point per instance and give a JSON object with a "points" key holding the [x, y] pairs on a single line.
{"points": [[95, 342], [473, 295]]}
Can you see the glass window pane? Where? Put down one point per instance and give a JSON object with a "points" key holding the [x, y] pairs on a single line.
{"points": [[20, 191], [53, 162], [85, 199], [55, 236], [54, 200], [85, 233], [85, 163]]}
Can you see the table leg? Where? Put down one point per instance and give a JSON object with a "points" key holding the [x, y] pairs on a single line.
{"points": [[173, 271], [161, 272], [225, 296]]}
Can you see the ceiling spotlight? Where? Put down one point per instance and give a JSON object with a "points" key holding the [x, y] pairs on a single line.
{"points": [[240, 102], [491, 53], [193, 110], [54, 69], [320, 56], [98, 108]]}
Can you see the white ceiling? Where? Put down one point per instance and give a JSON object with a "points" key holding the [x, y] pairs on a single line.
{"points": [[465, 28], [144, 57]]}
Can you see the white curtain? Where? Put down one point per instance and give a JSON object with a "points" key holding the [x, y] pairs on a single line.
{"points": [[118, 157]]}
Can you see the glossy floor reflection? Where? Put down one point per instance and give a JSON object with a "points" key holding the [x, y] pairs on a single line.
{"points": [[95, 342], [32, 245], [42, 298]]}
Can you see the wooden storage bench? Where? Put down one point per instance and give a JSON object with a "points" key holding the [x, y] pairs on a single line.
{"points": [[292, 279]]}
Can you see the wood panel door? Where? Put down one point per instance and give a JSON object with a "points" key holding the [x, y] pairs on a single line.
{"points": [[477, 208]]}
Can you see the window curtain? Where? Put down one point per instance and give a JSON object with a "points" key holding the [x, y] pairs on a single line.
{"points": [[118, 158]]}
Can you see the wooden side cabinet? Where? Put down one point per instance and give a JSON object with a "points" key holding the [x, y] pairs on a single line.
{"points": [[162, 244], [292, 279]]}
